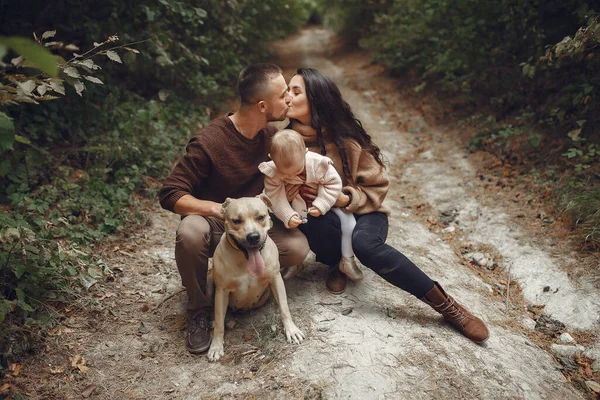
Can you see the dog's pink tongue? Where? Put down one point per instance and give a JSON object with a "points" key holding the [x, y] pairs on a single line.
{"points": [[256, 264]]}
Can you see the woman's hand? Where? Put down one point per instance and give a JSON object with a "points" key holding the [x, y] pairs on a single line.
{"points": [[308, 193], [343, 200]]}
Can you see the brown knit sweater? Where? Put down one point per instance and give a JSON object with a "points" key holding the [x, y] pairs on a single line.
{"points": [[219, 163], [371, 181]]}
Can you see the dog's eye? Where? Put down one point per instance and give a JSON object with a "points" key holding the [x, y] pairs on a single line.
{"points": [[236, 221], [261, 217]]}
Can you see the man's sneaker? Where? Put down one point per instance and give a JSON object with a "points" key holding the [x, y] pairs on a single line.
{"points": [[198, 334], [350, 269]]}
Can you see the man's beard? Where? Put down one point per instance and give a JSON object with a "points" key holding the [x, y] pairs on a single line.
{"points": [[271, 117]]}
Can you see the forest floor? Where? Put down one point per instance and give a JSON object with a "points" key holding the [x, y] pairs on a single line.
{"points": [[464, 218]]}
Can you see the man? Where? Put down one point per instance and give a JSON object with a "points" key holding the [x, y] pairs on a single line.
{"points": [[222, 161]]}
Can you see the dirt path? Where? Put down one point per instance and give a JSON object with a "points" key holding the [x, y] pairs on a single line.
{"points": [[373, 342]]}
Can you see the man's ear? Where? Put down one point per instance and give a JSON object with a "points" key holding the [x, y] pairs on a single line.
{"points": [[262, 106], [265, 199], [225, 205]]}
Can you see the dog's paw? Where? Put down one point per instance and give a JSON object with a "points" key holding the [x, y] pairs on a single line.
{"points": [[293, 334], [215, 352]]}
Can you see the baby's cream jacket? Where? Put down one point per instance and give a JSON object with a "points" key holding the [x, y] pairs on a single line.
{"points": [[320, 174]]}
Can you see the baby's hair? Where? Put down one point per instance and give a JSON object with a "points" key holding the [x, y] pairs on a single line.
{"points": [[287, 148]]}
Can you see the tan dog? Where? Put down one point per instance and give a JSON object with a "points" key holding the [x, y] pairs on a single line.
{"points": [[246, 268]]}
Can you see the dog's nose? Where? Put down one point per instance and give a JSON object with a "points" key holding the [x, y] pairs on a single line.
{"points": [[253, 238]]}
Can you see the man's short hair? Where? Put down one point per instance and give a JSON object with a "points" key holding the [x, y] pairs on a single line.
{"points": [[254, 81], [287, 148]]}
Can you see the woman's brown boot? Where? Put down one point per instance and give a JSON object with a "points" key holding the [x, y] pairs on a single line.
{"points": [[471, 326]]}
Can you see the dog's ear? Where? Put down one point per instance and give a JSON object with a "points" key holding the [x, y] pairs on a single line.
{"points": [[265, 199], [225, 205]]}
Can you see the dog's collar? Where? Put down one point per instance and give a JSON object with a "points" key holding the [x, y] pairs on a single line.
{"points": [[234, 242]]}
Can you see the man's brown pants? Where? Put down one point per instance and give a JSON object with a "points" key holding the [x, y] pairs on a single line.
{"points": [[197, 238]]}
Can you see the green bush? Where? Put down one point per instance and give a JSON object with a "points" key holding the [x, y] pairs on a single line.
{"points": [[534, 65], [353, 19], [73, 170]]}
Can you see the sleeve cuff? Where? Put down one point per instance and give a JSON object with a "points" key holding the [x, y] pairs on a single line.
{"points": [[321, 205], [354, 198]]}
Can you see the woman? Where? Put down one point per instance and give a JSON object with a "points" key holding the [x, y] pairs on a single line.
{"points": [[328, 126]]}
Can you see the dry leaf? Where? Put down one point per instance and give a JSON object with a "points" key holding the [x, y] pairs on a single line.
{"points": [[4, 388], [78, 362], [59, 369], [248, 337], [15, 369], [594, 386], [87, 392]]}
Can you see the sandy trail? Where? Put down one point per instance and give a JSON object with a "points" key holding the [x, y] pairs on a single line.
{"points": [[374, 341]]}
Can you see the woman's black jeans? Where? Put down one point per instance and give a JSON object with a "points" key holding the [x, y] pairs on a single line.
{"points": [[368, 241]]}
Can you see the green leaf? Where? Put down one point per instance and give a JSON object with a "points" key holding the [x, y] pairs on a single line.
{"points": [[7, 132], [57, 86], [79, 87], [33, 52], [94, 79], [5, 308], [72, 72], [19, 269], [113, 56], [21, 300], [22, 139], [4, 168]]}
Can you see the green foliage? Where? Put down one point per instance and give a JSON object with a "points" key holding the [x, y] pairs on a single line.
{"points": [[38, 55], [510, 53], [7, 133], [74, 170], [533, 64], [351, 18], [17, 86]]}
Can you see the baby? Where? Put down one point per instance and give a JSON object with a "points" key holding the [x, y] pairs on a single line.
{"points": [[294, 165]]}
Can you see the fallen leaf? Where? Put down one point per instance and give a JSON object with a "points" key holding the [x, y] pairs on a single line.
{"points": [[87, 392], [4, 388], [145, 308], [248, 337], [594, 386], [15, 369], [78, 362], [59, 369]]}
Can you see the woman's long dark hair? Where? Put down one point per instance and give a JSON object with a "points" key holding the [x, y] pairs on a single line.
{"points": [[332, 114]]}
